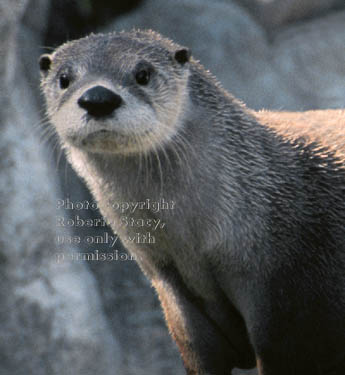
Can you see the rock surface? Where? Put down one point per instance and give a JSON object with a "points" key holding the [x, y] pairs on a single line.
{"points": [[52, 321], [276, 13]]}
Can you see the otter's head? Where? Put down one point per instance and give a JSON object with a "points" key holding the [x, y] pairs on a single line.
{"points": [[116, 93]]}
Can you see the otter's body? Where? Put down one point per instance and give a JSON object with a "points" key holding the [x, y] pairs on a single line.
{"points": [[249, 266]]}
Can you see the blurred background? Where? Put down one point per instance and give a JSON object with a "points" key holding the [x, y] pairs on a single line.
{"points": [[92, 317]]}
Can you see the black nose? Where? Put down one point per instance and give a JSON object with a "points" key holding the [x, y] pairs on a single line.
{"points": [[99, 101]]}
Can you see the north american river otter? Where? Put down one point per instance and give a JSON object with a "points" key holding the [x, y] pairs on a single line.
{"points": [[250, 264]]}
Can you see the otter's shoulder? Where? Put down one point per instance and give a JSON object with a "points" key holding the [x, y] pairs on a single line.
{"points": [[324, 127]]}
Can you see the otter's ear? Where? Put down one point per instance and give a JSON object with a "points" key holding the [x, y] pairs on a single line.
{"points": [[182, 55], [45, 63]]}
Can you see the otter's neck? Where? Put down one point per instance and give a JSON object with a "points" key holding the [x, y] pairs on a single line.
{"points": [[208, 170]]}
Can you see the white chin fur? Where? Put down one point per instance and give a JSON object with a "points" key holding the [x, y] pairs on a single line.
{"points": [[115, 142], [129, 136]]}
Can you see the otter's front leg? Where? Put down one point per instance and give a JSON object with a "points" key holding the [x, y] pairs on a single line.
{"points": [[204, 349]]}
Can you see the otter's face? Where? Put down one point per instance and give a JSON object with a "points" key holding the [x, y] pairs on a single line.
{"points": [[116, 93]]}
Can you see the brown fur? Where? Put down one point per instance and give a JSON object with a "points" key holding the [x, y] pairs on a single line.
{"points": [[259, 366], [176, 323], [326, 127]]}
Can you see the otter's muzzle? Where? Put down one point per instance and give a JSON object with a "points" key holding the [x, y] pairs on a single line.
{"points": [[99, 101]]}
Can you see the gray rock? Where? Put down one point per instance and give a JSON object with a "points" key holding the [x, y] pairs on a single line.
{"points": [[52, 320], [275, 13], [311, 56]]}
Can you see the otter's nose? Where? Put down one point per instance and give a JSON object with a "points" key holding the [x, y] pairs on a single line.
{"points": [[99, 101]]}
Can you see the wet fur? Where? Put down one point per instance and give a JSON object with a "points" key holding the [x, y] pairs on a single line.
{"points": [[250, 266]]}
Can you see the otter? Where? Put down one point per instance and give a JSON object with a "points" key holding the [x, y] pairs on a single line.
{"points": [[249, 265]]}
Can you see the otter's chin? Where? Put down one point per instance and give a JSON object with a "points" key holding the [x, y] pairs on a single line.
{"points": [[109, 142]]}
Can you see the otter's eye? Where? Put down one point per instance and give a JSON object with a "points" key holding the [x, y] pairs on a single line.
{"points": [[143, 77], [64, 81]]}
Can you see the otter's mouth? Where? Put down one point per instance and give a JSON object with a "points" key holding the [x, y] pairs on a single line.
{"points": [[110, 141], [105, 136]]}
